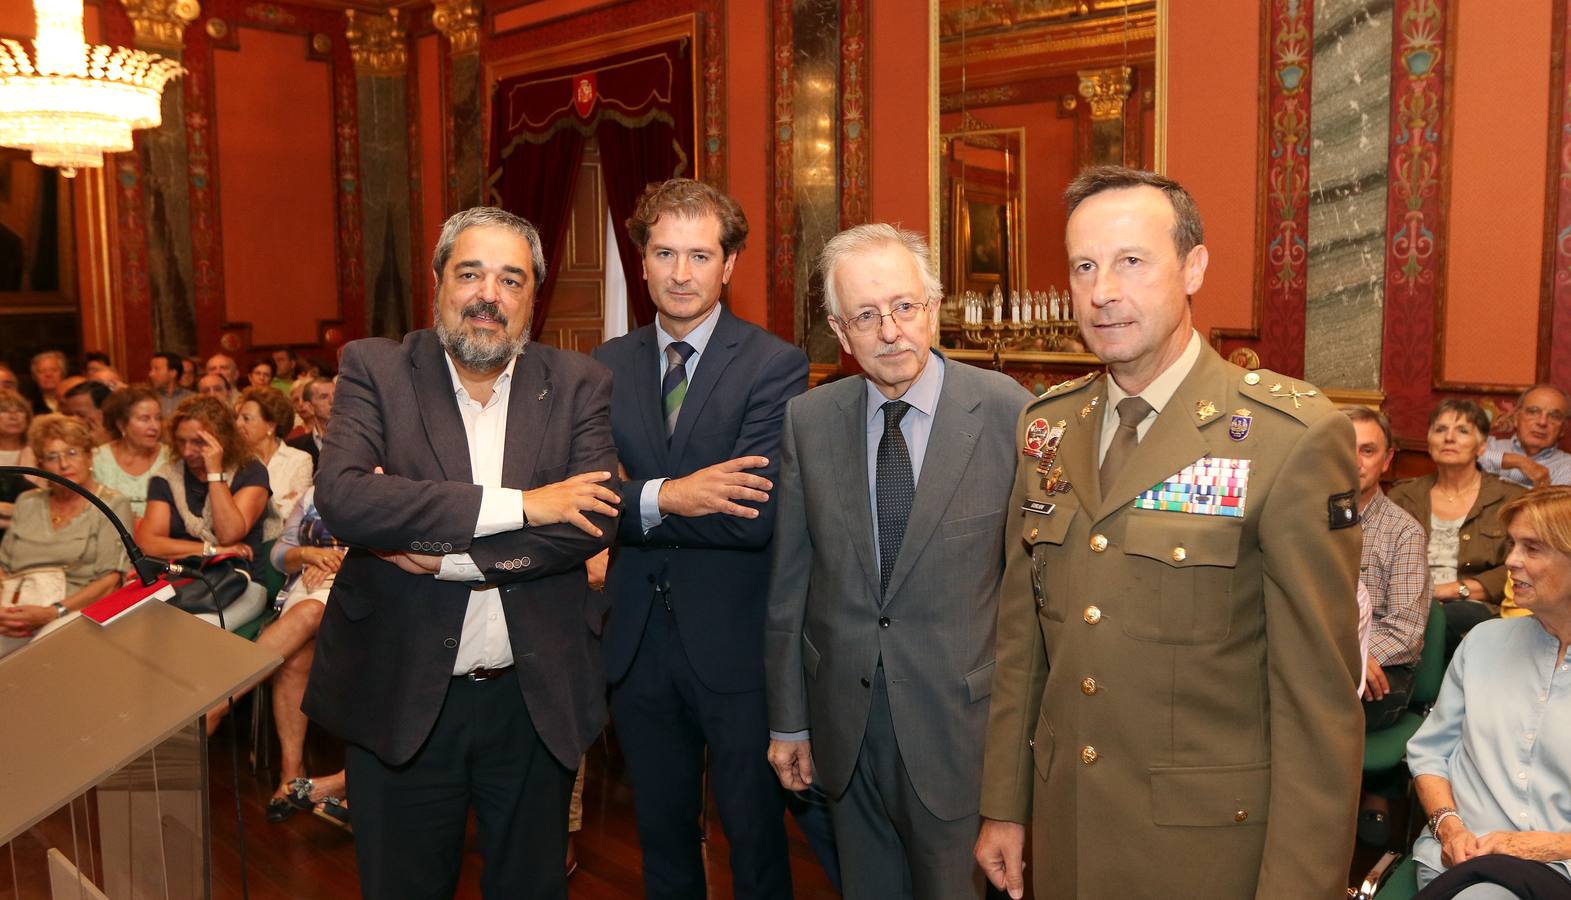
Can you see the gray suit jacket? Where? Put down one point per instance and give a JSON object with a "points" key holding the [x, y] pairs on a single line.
{"points": [[826, 633]]}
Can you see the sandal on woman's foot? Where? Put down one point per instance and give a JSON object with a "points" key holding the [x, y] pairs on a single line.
{"points": [[300, 793], [334, 810], [279, 809]]}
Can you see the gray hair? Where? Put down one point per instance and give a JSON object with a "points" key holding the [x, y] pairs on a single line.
{"points": [[1543, 386], [477, 216], [862, 238]]}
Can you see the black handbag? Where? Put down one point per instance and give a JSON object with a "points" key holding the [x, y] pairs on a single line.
{"points": [[218, 583]]}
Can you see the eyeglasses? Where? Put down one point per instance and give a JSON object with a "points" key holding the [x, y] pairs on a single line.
{"points": [[868, 321], [55, 459], [1555, 415]]}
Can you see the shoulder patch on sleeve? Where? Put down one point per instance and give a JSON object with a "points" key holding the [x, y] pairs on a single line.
{"points": [[1342, 510]]}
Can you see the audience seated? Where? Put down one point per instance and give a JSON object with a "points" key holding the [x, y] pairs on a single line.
{"points": [[84, 401], [163, 375], [263, 418], [1393, 569], [47, 369], [225, 365], [54, 527], [318, 397], [285, 372], [1530, 457], [306, 552], [1491, 760], [8, 380], [217, 386], [261, 374], [210, 499], [16, 414], [135, 449], [1458, 505]]}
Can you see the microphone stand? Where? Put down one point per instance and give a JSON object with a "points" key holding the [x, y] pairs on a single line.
{"points": [[147, 568]]}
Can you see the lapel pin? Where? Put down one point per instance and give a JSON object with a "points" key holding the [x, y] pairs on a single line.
{"points": [[543, 392], [1205, 409]]}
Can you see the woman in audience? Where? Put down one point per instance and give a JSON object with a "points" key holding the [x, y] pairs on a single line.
{"points": [[263, 418], [15, 415], [135, 450], [1459, 508], [303, 414], [56, 527], [261, 375], [210, 500], [1491, 761]]}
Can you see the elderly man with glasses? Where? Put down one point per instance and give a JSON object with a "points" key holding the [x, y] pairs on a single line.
{"points": [[1531, 457]]}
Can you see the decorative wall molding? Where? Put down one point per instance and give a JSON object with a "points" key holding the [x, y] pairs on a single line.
{"points": [[1554, 315], [378, 44], [160, 24], [459, 22], [1277, 319], [855, 114], [1415, 258], [326, 31], [781, 180]]}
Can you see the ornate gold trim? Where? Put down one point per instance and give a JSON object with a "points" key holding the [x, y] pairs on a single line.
{"points": [[160, 24], [1107, 89], [459, 20], [376, 42]]}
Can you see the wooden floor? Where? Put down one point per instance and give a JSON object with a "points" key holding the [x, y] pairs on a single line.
{"points": [[307, 857]]}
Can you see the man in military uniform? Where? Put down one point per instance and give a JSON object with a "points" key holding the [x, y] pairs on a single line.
{"points": [[1184, 550]]}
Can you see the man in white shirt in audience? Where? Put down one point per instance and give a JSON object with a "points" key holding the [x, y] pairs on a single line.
{"points": [[1532, 457]]}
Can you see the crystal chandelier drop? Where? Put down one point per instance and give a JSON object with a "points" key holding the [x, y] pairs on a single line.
{"points": [[70, 103]]}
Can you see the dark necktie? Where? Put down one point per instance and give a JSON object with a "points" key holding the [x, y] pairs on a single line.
{"points": [[674, 386], [1131, 412], [894, 489]]}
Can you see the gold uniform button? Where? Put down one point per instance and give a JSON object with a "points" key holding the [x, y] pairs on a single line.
{"points": [[1252, 378], [1240, 816], [1098, 543], [1092, 615], [1467, 537], [1088, 755], [1033, 535], [1088, 685], [1180, 554]]}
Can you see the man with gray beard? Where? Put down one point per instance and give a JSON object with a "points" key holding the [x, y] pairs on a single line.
{"points": [[474, 474]]}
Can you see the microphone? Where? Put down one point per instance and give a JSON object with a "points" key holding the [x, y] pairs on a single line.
{"points": [[148, 569]]}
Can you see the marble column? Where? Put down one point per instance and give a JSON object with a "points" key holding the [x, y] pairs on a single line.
{"points": [[1348, 160], [378, 44], [166, 209], [816, 68]]}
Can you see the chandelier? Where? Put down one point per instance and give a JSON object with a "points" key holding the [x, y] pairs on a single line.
{"points": [[70, 103]]}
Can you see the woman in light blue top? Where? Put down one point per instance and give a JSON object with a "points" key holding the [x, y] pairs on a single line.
{"points": [[1492, 763]]}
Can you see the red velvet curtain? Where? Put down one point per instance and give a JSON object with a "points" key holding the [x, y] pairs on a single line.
{"points": [[638, 105]]}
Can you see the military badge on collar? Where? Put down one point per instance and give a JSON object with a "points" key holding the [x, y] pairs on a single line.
{"points": [[1238, 425]]}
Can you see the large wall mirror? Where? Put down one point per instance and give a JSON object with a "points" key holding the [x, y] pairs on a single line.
{"points": [[1030, 92]]}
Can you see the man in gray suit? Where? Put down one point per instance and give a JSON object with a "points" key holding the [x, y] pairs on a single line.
{"points": [[888, 561]]}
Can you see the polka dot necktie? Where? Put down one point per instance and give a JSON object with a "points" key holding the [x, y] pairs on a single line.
{"points": [[894, 489], [674, 386]]}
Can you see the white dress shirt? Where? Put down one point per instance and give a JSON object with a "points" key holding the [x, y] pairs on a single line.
{"points": [[649, 515], [483, 642]]}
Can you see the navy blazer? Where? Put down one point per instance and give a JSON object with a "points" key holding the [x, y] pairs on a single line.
{"points": [[385, 652], [714, 569]]}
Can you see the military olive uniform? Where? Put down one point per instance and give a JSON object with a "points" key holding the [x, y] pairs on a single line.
{"points": [[1198, 732]]}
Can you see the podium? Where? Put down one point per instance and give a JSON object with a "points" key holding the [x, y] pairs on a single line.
{"points": [[117, 710]]}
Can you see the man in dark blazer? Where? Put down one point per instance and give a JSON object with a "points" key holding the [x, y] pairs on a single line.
{"points": [[696, 406], [459, 656], [882, 609]]}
